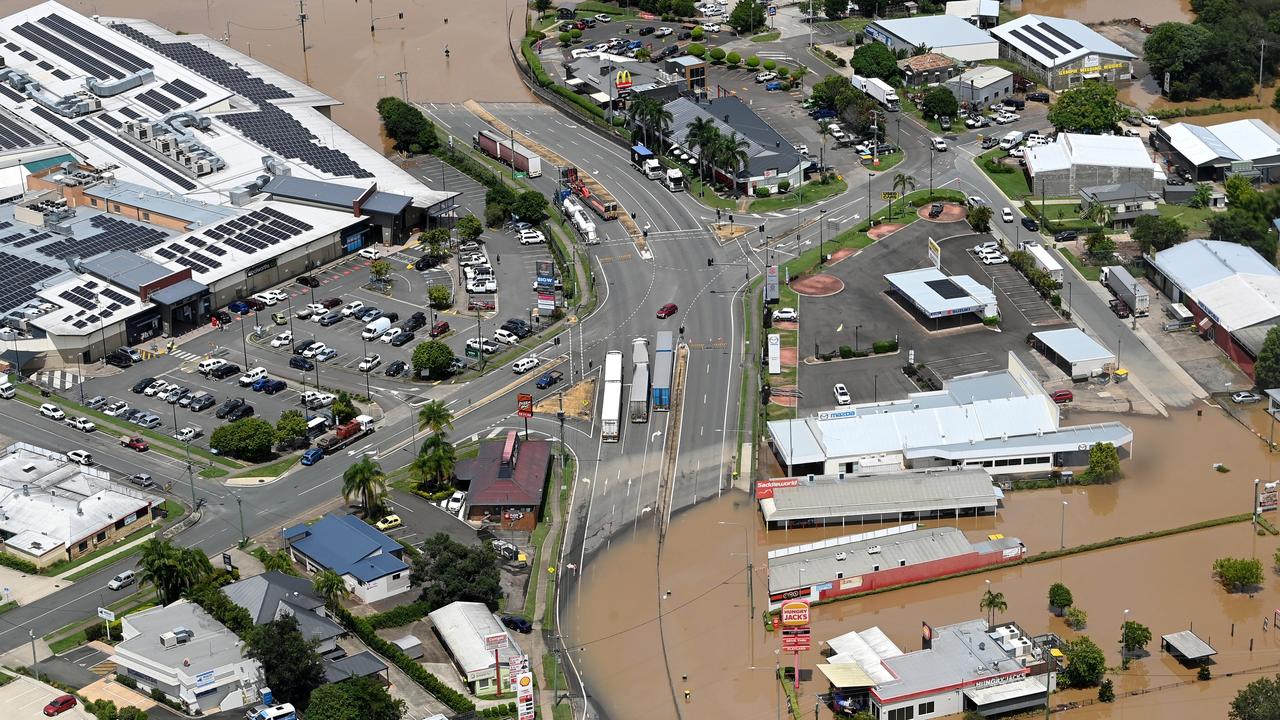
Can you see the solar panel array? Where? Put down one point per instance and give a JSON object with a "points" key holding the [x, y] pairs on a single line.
{"points": [[11, 93], [248, 234], [1046, 40], [59, 123], [14, 134], [141, 156], [20, 275], [92, 42], [209, 65], [85, 298], [158, 101], [115, 234], [183, 89], [277, 130], [72, 54]]}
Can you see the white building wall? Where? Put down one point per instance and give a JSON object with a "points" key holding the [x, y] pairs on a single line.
{"points": [[380, 589]]}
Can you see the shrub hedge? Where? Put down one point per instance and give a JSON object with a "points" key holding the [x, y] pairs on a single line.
{"points": [[17, 563], [400, 615], [432, 684]]}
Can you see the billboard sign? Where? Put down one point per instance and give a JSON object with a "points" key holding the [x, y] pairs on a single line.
{"points": [[204, 679], [106, 614], [1268, 498], [771, 284], [496, 641], [775, 354], [796, 639], [546, 303], [765, 488], [935, 254], [524, 696], [795, 613], [515, 665], [524, 408]]}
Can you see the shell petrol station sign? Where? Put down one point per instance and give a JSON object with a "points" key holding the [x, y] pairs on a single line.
{"points": [[795, 630]]}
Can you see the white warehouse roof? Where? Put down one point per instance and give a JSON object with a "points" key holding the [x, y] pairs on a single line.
{"points": [[1077, 149], [1249, 139], [1053, 41], [1072, 345], [935, 31], [973, 8], [1235, 285]]}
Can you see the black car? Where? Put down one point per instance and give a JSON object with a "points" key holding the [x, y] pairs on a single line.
{"points": [[302, 345], [1038, 97], [647, 30], [308, 281], [684, 35], [1015, 104], [1030, 224], [935, 210], [275, 386], [426, 262], [402, 339], [518, 327], [944, 122], [243, 411], [224, 317], [1066, 236], [416, 321], [392, 316], [142, 384], [228, 406], [119, 359], [203, 402], [396, 368], [298, 362], [222, 372], [517, 623]]}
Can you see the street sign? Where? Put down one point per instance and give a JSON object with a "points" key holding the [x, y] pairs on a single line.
{"points": [[1166, 82], [106, 614], [773, 10], [795, 613], [518, 175], [796, 639], [524, 696], [226, 562], [935, 254], [524, 406], [888, 196]]}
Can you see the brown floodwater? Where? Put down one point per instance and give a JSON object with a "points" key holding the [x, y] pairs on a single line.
{"points": [[1091, 11], [635, 664], [343, 59]]}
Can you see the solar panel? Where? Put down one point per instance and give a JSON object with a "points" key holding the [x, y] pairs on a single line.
{"points": [[115, 234], [208, 65], [90, 41], [117, 296], [1026, 40], [79, 296], [13, 94], [156, 101], [15, 135], [11, 47], [72, 54], [91, 285], [1064, 38], [946, 288], [27, 56], [1045, 39], [44, 65], [59, 123], [21, 275], [215, 250], [33, 238], [130, 112], [193, 264], [279, 131], [193, 92], [61, 75], [136, 154], [113, 122], [205, 259], [166, 253]]}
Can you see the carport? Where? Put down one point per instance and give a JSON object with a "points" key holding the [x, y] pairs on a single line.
{"points": [[937, 296], [1007, 698], [1187, 647], [1077, 354]]}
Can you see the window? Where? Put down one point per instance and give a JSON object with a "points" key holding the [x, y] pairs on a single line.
{"points": [[396, 576], [115, 207], [102, 535], [93, 202], [905, 713], [925, 708], [84, 545], [146, 215]]}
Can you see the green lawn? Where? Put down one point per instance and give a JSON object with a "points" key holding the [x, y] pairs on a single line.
{"points": [[1194, 218], [1014, 184], [275, 469], [591, 7], [213, 472], [813, 192], [853, 24], [766, 37], [886, 161], [1088, 271]]}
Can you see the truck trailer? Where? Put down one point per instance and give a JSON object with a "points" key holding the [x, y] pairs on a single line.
{"points": [[663, 363], [501, 149], [611, 408], [638, 406], [644, 160], [346, 434], [1045, 261], [1127, 289], [879, 90]]}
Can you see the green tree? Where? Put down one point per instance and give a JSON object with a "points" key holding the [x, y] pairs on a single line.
{"points": [[1076, 618], [734, 59], [435, 417], [684, 8], [469, 227], [940, 102], [1238, 574], [531, 207], [542, 6], [1086, 662], [278, 561], [1104, 464], [835, 9], [290, 665], [770, 64], [753, 62], [1134, 636], [717, 55], [700, 136], [747, 17], [575, 33], [439, 296], [343, 408], [331, 588], [406, 126], [903, 184], [992, 603], [1060, 596], [1201, 197], [1099, 246], [696, 34], [1240, 192], [357, 698], [1089, 108], [432, 357], [291, 426], [1259, 700], [380, 269], [366, 481], [211, 598], [248, 439], [449, 571], [564, 38], [1106, 691], [1246, 228], [1178, 49], [1157, 232], [979, 217], [432, 470], [696, 49], [172, 570], [875, 60]]}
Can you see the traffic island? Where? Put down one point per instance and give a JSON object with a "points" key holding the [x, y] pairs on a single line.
{"points": [[817, 285], [951, 212]]}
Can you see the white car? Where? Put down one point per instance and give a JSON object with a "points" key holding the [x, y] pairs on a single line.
{"points": [[604, 18], [532, 237], [994, 259], [524, 365], [1005, 118], [842, 394], [482, 286], [314, 350], [986, 248], [369, 254], [766, 76], [278, 295], [391, 334], [52, 411], [266, 298], [80, 457], [977, 121], [317, 310], [1018, 152], [282, 339], [1151, 121], [711, 27], [662, 32], [370, 362], [785, 314], [473, 259], [939, 144], [116, 409], [1244, 396], [802, 149], [1006, 215], [81, 424], [454, 503], [156, 388], [350, 308]]}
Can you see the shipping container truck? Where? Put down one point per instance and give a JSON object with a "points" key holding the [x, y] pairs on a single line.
{"points": [[644, 161], [346, 434], [1127, 289], [639, 402], [501, 149], [1045, 261], [611, 407], [663, 363], [879, 90]]}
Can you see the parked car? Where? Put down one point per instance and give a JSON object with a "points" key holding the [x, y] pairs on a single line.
{"points": [[222, 372], [119, 359], [241, 412], [202, 402], [352, 307], [785, 314], [484, 345], [1151, 121], [1062, 396], [1038, 97], [59, 705], [95, 402], [402, 339], [517, 623], [842, 394], [370, 362], [1031, 224], [390, 522], [1066, 236], [274, 386], [416, 322], [765, 76], [51, 411], [455, 501], [440, 328], [142, 384], [302, 346], [228, 406], [282, 339], [935, 210], [326, 355], [1245, 396]]}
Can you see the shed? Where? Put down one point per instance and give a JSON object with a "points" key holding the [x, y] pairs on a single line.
{"points": [[1077, 354], [1186, 647], [409, 645]]}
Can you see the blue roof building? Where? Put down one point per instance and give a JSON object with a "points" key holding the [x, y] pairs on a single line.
{"points": [[369, 561]]}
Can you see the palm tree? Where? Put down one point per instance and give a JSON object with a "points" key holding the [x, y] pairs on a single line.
{"points": [[193, 568], [156, 565], [366, 481], [992, 603], [902, 184], [433, 468], [731, 153], [278, 561], [700, 132], [434, 416], [330, 586], [660, 120]]}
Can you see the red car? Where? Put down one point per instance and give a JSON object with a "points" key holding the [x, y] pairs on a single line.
{"points": [[439, 329], [667, 311], [60, 705], [1062, 396], [135, 443]]}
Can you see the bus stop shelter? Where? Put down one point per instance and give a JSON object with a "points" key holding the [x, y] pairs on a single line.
{"points": [[1187, 648]]}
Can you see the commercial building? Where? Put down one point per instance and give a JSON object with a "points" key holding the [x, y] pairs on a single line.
{"points": [[853, 564], [162, 146], [979, 13], [943, 34], [847, 498], [982, 85], [935, 295], [771, 158], [1062, 53], [190, 657], [928, 69], [1001, 421], [53, 509], [1075, 161], [1076, 354], [507, 481], [612, 80], [958, 668], [1233, 293], [273, 594], [368, 561], [1124, 202], [1247, 147], [475, 639]]}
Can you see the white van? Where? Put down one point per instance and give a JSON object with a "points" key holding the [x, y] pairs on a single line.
{"points": [[374, 330], [1011, 140], [505, 336], [123, 580], [253, 376], [207, 366], [7, 390]]}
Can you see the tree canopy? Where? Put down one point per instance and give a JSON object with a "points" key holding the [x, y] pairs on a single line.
{"points": [[406, 126], [1266, 371], [469, 227], [835, 9], [1207, 58], [747, 17], [875, 59], [940, 102], [1086, 662], [449, 571], [291, 426], [433, 357], [1259, 700], [1104, 464], [1060, 596], [1238, 574], [531, 207], [1134, 635], [357, 698], [171, 569], [290, 664], [248, 438], [1089, 108], [1157, 232]]}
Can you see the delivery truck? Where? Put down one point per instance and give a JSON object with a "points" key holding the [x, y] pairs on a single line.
{"points": [[638, 405], [508, 152], [674, 180], [663, 363], [879, 90], [610, 428], [345, 434], [644, 160], [1127, 289], [1045, 261]]}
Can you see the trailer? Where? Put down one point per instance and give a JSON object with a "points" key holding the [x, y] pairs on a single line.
{"points": [[644, 160], [1045, 261], [346, 434], [663, 364], [606, 209], [611, 407], [508, 152], [879, 90], [1127, 289], [639, 402]]}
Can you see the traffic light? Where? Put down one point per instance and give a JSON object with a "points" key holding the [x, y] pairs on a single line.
{"points": [[556, 341], [761, 228], [401, 16], [711, 262]]}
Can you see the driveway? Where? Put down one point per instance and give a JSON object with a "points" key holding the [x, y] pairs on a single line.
{"points": [[27, 698], [422, 519]]}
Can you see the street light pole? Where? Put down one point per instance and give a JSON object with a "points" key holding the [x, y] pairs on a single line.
{"points": [[1062, 530], [821, 215], [746, 543]]}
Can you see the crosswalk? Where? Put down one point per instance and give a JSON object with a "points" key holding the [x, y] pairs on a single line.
{"points": [[185, 355], [57, 379]]}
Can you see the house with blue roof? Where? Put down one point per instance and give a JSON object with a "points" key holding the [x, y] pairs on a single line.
{"points": [[370, 562]]}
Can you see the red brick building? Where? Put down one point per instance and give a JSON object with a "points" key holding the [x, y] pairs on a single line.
{"points": [[507, 481]]}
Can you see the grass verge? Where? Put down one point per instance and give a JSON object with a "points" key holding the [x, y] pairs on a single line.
{"points": [[766, 37], [1013, 184], [213, 472], [887, 162], [272, 470], [812, 193], [1088, 271], [1196, 219], [549, 604]]}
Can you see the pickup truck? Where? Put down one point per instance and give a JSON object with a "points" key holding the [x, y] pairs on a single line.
{"points": [[134, 443], [188, 433], [81, 424], [548, 379]]}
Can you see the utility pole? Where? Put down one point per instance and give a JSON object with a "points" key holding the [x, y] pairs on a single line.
{"points": [[1261, 51], [560, 415], [240, 508], [302, 21], [403, 77]]}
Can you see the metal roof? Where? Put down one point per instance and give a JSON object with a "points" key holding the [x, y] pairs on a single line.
{"points": [[935, 31], [362, 664], [1053, 41], [846, 675], [126, 269], [463, 627], [335, 194], [212, 648], [1232, 283], [193, 212], [766, 148], [937, 294], [1050, 441], [828, 496], [1188, 645], [973, 8], [869, 649], [1072, 345], [178, 291], [1005, 692], [864, 553], [348, 546], [963, 653], [981, 76], [1248, 139]]}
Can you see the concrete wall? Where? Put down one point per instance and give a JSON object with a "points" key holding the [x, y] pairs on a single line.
{"points": [[983, 96], [1061, 183]]}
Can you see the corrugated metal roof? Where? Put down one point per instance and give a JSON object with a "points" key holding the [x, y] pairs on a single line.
{"points": [[1072, 345], [463, 627], [916, 491], [935, 31], [846, 675], [854, 558], [1233, 283], [346, 545], [1198, 144], [916, 284], [1042, 39], [868, 649]]}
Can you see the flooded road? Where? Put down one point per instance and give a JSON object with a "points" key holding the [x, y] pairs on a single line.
{"points": [[729, 659], [1091, 11], [344, 59]]}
